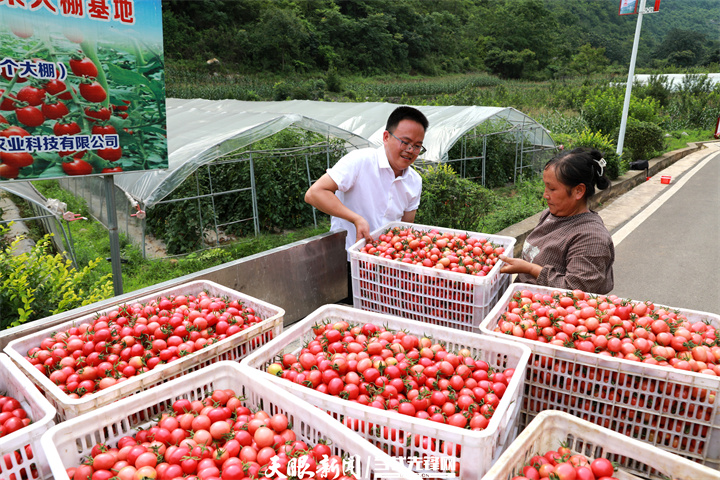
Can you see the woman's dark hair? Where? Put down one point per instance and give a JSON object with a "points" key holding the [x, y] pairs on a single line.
{"points": [[405, 113], [581, 166]]}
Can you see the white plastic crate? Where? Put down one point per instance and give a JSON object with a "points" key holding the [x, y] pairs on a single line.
{"points": [[551, 428], [673, 409], [440, 297], [67, 443], [14, 383], [477, 449], [232, 348]]}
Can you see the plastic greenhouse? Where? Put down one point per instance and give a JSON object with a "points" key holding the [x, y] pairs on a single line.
{"points": [[47, 213], [203, 135]]}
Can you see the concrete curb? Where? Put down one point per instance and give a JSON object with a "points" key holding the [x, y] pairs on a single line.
{"points": [[621, 185]]}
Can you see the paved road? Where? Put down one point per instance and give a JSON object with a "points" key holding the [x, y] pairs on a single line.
{"points": [[667, 237]]}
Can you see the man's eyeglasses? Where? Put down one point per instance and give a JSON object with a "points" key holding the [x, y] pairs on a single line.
{"points": [[418, 149]]}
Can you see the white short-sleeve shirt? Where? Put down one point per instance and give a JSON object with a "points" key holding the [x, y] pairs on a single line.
{"points": [[367, 185]]}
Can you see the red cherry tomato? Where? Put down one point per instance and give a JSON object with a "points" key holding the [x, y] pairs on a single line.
{"points": [[31, 95], [93, 92], [83, 67], [30, 116], [77, 167]]}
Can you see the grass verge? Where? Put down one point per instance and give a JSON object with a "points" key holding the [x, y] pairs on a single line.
{"points": [[677, 140]]}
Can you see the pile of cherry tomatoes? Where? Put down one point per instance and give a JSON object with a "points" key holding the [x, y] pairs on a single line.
{"points": [[608, 325], [12, 416], [562, 464], [213, 438], [434, 249], [136, 338], [395, 370]]}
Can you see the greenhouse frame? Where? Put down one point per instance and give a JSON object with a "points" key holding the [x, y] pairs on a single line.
{"points": [[205, 133]]}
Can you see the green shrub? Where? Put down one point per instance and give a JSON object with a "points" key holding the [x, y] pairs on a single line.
{"points": [[526, 201], [643, 140], [587, 138], [558, 123], [603, 110], [658, 87], [451, 201], [282, 91], [564, 139], [333, 80], [38, 284]]}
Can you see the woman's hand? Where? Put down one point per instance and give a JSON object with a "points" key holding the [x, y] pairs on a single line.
{"points": [[518, 265]]}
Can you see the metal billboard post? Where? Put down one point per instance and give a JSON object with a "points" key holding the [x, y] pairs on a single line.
{"points": [[631, 76], [631, 73], [109, 182]]}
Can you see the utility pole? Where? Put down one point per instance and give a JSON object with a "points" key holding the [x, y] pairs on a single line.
{"points": [[631, 78]]}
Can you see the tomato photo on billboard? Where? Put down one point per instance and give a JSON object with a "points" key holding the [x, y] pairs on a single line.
{"points": [[81, 77]]}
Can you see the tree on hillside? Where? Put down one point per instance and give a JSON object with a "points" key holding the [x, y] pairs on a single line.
{"points": [[522, 35], [280, 41], [510, 63], [589, 60], [682, 48]]}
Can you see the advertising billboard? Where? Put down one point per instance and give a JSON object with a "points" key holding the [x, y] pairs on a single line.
{"points": [[628, 7], [82, 88], [631, 7]]}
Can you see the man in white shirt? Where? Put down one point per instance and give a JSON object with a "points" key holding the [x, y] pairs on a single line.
{"points": [[371, 187]]}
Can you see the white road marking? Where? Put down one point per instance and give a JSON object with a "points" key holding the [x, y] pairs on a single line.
{"points": [[622, 233]]}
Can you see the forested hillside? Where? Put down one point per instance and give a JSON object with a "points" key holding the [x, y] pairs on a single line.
{"points": [[535, 39]]}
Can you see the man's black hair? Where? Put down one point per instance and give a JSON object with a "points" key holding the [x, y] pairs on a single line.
{"points": [[406, 113]]}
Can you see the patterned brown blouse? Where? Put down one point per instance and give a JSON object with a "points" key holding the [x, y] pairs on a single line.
{"points": [[574, 252]]}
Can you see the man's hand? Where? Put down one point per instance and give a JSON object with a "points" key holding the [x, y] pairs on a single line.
{"points": [[363, 229], [321, 195]]}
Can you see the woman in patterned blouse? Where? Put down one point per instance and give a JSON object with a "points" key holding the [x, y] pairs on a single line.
{"points": [[570, 247]]}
